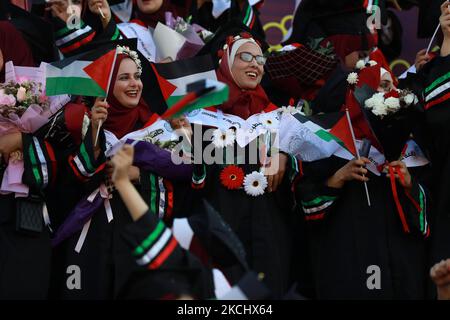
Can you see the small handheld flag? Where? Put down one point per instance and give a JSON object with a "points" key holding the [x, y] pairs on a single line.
{"points": [[107, 91], [196, 90], [357, 152]]}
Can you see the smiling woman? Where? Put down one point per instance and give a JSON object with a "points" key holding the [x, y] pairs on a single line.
{"points": [[127, 110], [247, 97], [255, 201]]}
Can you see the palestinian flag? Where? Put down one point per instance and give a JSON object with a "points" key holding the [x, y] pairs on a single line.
{"points": [[330, 127], [87, 74], [183, 72], [69, 76]]}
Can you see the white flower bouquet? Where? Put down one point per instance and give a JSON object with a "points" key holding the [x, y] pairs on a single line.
{"points": [[382, 104]]}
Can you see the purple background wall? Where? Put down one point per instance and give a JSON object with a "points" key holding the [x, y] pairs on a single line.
{"points": [[275, 10]]}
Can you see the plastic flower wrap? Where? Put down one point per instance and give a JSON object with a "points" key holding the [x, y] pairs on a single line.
{"points": [[23, 106], [177, 39]]}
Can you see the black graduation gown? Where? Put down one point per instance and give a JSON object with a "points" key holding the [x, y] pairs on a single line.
{"points": [[104, 260], [262, 223], [25, 256], [170, 271], [350, 241], [204, 17], [437, 119]]}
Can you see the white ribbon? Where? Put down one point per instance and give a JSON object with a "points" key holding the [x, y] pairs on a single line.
{"points": [[82, 237], [46, 217], [106, 196]]}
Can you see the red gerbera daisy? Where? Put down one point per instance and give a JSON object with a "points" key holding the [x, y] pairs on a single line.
{"points": [[232, 177]]}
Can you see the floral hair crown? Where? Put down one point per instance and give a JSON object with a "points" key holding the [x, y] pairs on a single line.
{"points": [[230, 40], [133, 55]]}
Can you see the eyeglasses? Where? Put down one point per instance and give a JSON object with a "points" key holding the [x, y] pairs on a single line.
{"points": [[248, 57]]}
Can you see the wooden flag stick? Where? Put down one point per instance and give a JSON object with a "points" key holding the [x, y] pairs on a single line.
{"points": [[101, 12], [357, 152], [107, 91], [432, 38], [434, 34]]}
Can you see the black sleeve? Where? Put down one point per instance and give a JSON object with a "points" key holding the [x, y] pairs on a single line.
{"points": [[163, 264], [39, 163], [82, 162], [315, 198]]}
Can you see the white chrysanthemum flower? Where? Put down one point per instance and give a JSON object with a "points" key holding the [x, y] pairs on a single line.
{"points": [[360, 64], [409, 98], [392, 104], [223, 138], [352, 78], [372, 63], [255, 183], [380, 110], [376, 100]]}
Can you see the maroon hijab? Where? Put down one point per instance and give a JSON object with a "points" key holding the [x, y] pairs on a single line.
{"points": [[242, 103], [14, 48], [151, 20], [122, 120]]}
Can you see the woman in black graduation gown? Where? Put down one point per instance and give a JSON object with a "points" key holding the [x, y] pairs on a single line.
{"points": [[24, 254], [104, 262], [261, 218], [434, 80], [360, 251], [25, 250], [104, 259]]}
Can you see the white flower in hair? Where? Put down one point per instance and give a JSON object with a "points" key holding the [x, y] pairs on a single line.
{"points": [[392, 104], [352, 78], [132, 54], [255, 183], [360, 64], [223, 138]]}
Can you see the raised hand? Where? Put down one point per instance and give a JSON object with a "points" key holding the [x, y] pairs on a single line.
{"points": [[275, 171], [122, 161], [353, 170], [102, 9]]}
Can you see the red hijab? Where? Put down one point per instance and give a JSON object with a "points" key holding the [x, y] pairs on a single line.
{"points": [[242, 103], [14, 48], [122, 120], [152, 19], [344, 44]]}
